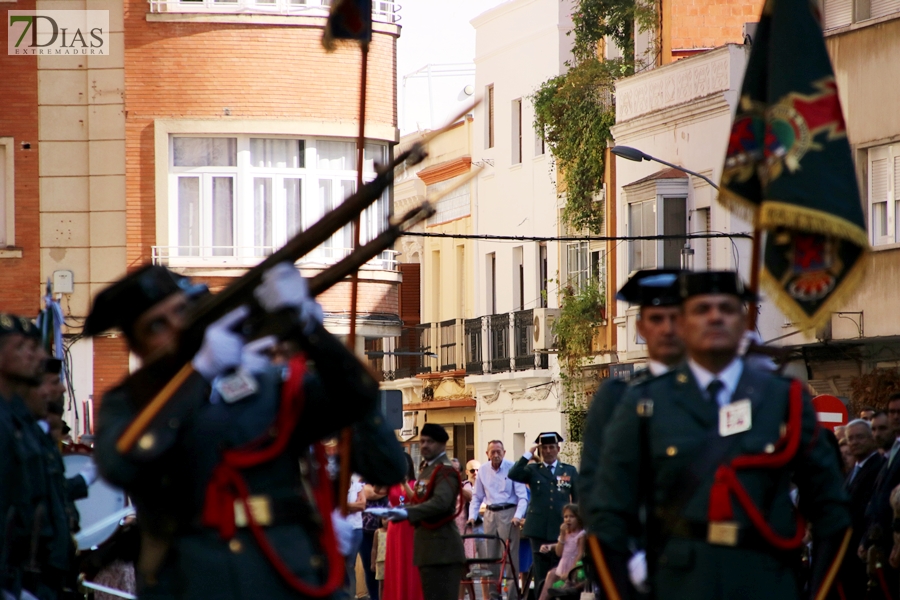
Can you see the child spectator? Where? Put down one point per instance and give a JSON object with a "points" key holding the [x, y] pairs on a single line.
{"points": [[569, 548]]}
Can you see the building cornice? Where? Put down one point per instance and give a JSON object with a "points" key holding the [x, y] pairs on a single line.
{"points": [[695, 110], [445, 170]]}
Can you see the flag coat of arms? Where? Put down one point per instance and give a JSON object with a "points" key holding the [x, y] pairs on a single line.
{"points": [[789, 170]]}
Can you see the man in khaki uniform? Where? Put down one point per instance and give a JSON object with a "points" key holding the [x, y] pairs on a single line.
{"points": [[437, 548]]}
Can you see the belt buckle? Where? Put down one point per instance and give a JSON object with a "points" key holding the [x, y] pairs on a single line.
{"points": [[722, 533], [260, 508]]}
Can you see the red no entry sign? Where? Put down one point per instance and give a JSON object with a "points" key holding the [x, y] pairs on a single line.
{"points": [[831, 411]]}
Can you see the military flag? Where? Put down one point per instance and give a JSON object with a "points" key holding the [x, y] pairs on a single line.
{"points": [[348, 20], [788, 167]]}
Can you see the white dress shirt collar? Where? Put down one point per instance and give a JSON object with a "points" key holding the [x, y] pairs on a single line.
{"points": [[436, 458], [860, 463], [729, 376], [657, 368]]}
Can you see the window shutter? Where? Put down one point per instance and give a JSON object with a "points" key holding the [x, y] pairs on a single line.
{"points": [[878, 194], [880, 8], [839, 13]]}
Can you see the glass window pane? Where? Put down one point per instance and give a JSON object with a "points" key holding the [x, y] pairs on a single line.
{"points": [[293, 198], [262, 216], [879, 219], [372, 155], [674, 223], [205, 152], [336, 155], [188, 216], [281, 154], [223, 216], [649, 228]]}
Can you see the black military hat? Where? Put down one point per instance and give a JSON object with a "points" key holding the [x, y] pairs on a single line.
{"points": [[123, 302], [435, 432], [652, 287], [548, 437], [28, 328], [9, 324], [713, 282]]}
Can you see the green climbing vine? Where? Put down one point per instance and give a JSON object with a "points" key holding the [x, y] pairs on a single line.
{"points": [[574, 111], [580, 312]]}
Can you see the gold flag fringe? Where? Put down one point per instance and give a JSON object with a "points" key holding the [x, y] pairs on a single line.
{"points": [[774, 214], [738, 205], [791, 309]]}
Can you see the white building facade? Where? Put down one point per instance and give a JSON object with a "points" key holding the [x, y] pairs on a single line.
{"points": [[519, 45], [680, 113]]}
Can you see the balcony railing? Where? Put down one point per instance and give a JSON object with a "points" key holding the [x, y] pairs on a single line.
{"points": [[448, 351], [383, 11], [248, 256], [490, 344], [498, 342], [474, 356], [423, 335]]}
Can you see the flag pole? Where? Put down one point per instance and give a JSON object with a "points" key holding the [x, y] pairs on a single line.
{"points": [[753, 313], [346, 435]]}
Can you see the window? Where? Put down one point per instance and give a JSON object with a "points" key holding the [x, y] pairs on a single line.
{"points": [[540, 147], [517, 131], [884, 181], [7, 193], [491, 276], [455, 205], [577, 265], [489, 122], [518, 278], [239, 198], [642, 221], [657, 205], [841, 13], [542, 274]]}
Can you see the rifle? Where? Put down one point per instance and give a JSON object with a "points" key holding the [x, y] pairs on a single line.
{"points": [[176, 368]]}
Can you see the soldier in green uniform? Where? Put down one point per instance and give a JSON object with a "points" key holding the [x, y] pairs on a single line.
{"points": [[230, 500], [553, 484], [437, 546], [723, 442], [656, 293], [20, 490]]}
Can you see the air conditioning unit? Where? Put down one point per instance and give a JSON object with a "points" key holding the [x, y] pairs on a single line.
{"points": [[544, 319]]}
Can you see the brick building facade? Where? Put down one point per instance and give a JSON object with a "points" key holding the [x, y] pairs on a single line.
{"points": [[211, 134]]}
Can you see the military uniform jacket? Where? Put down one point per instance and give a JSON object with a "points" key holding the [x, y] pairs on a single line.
{"points": [[550, 492], [600, 414], [15, 497], [683, 434], [441, 545], [168, 471]]}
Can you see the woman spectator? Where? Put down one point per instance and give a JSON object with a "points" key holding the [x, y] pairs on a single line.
{"points": [[401, 576], [376, 497]]}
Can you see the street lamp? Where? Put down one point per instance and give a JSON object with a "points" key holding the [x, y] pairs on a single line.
{"points": [[629, 153]]}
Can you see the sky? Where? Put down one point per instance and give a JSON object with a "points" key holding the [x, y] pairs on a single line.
{"points": [[435, 32]]}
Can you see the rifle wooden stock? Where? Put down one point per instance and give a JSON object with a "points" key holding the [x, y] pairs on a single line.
{"points": [[153, 386]]}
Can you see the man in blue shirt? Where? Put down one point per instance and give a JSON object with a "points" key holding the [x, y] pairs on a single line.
{"points": [[505, 503]]}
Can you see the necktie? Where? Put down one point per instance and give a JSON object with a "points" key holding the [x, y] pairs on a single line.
{"points": [[853, 473], [713, 389], [551, 469], [894, 449]]}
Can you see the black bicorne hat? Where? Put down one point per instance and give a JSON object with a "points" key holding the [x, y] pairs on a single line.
{"points": [[713, 282], [435, 432], [652, 287], [548, 437], [123, 302]]}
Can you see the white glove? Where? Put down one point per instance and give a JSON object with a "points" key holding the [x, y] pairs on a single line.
{"points": [[253, 357], [637, 571], [397, 514], [222, 348], [343, 532], [283, 286], [89, 473]]}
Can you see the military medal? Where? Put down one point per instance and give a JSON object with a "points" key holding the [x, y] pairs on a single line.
{"points": [[236, 386], [734, 418]]}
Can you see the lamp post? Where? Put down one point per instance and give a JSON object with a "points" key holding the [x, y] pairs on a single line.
{"points": [[629, 153], [636, 155]]}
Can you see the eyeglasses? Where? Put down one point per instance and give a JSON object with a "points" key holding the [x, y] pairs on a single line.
{"points": [[473, 470]]}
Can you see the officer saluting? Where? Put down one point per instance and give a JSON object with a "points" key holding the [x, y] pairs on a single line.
{"points": [[553, 485], [230, 504], [723, 442]]}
